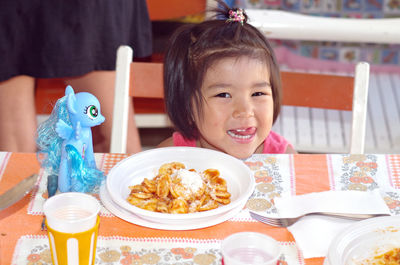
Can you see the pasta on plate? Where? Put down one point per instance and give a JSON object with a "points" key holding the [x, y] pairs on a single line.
{"points": [[176, 189], [391, 257]]}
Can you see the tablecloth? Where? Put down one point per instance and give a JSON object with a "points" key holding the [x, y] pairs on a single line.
{"points": [[120, 242]]}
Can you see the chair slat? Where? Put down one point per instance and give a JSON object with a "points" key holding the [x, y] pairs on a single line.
{"points": [[289, 128], [376, 113], [346, 117], [335, 92], [395, 81], [147, 80], [334, 129], [389, 104], [370, 140], [303, 126], [318, 125]]}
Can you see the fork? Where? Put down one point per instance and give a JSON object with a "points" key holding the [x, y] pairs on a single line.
{"points": [[285, 222]]}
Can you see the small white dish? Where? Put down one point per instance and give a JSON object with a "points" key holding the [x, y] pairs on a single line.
{"points": [[134, 219], [135, 168], [364, 240]]}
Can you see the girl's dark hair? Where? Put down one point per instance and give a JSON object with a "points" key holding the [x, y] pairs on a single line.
{"points": [[195, 47]]}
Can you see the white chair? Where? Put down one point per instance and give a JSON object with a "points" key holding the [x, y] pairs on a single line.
{"points": [[145, 80], [320, 94], [136, 81], [119, 131]]}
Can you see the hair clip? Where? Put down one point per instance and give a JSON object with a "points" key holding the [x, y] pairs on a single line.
{"points": [[236, 16]]}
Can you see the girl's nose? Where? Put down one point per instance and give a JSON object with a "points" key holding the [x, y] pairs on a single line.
{"points": [[243, 108]]}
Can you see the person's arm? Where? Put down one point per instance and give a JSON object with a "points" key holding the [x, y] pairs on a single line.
{"points": [[167, 142]]}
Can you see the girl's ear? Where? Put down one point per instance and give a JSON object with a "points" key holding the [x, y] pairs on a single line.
{"points": [[71, 99]]}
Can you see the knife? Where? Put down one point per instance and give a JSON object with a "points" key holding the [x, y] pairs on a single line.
{"points": [[17, 192]]}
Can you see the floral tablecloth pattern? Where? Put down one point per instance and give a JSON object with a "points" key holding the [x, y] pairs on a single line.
{"points": [[275, 175], [129, 250]]}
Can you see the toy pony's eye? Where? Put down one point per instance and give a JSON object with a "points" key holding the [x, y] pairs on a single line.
{"points": [[92, 112]]}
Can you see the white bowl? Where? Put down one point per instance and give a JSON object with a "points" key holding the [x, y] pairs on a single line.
{"points": [[134, 169], [364, 239]]}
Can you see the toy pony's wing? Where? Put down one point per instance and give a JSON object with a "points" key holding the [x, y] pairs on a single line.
{"points": [[64, 130]]}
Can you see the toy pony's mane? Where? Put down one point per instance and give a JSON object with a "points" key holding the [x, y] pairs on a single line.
{"points": [[48, 141]]}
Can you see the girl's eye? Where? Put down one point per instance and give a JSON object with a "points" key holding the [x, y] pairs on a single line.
{"points": [[257, 94], [92, 112], [223, 95]]}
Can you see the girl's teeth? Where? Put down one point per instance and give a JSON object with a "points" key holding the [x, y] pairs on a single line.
{"points": [[240, 136]]}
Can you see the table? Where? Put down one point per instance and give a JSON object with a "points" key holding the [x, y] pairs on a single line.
{"points": [[120, 242]]}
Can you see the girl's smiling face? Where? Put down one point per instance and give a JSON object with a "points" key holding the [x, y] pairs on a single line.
{"points": [[238, 106]]}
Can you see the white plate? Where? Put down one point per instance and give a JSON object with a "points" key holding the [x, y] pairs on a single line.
{"points": [[134, 219], [134, 169], [364, 239]]}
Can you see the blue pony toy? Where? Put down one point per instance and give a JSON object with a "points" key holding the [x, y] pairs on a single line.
{"points": [[65, 143]]}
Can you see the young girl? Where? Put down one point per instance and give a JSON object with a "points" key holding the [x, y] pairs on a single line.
{"points": [[222, 87]]}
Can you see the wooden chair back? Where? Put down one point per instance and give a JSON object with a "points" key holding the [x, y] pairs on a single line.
{"points": [[299, 89]]}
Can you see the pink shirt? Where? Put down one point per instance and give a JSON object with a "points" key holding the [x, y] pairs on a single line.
{"points": [[274, 144]]}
